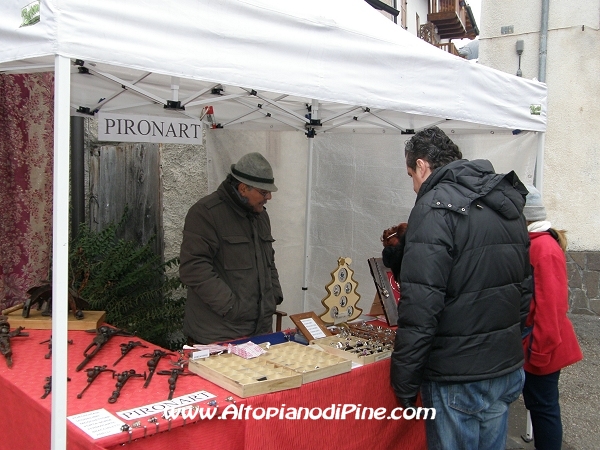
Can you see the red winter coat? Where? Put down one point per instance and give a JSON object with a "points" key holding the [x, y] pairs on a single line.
{"points": [[552, 344]]}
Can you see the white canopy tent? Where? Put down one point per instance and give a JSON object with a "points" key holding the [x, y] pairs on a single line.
{"points": [[317, 66]]}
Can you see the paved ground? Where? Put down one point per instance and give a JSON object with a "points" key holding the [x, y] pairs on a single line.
{"points": [[579, 388]]}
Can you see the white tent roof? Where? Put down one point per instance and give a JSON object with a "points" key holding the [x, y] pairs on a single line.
{"points": [[340, 52]]}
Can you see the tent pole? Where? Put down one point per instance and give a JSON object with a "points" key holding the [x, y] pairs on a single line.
{"points": [[60, 251], [307, 222]]}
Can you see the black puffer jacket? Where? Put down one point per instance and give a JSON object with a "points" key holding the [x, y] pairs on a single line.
{"points": [[462, 280]]}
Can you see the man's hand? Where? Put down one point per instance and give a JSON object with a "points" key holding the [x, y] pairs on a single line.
{"points": [[407, 402]]}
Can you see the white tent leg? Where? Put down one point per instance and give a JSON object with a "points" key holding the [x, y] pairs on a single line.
{"points": [[60, 251], [307, 222], [528, 436]]}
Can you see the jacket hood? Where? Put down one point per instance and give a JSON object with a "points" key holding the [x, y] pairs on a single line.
{"points": [[533, 235], [459, 183]]}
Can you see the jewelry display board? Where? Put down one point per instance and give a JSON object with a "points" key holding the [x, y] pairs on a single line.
{"points": [[388, 290], [341, 296]]}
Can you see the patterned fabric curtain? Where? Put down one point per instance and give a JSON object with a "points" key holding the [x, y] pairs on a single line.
{"points": [[26, 158]]}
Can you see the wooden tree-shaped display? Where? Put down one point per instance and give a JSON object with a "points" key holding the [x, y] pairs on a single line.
{"points": [[342, 296]]}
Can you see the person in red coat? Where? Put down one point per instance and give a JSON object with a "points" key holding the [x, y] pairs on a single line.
{"points": [[549, 340]]}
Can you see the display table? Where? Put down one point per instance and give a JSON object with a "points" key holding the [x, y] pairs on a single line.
{"points": [[25, 416]]}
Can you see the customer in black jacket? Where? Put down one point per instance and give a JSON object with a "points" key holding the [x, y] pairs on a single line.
{"points": [[463, 282]]}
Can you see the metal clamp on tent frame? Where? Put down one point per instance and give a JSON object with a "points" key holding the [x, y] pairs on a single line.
{"points": [[86, 110], [312, 122], [173, 104], [81, 68]]}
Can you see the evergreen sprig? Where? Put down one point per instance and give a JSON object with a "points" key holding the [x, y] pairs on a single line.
{"points": [[130, 282]]}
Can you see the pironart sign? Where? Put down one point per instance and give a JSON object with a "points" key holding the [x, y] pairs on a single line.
{"points": [[156, 129]]}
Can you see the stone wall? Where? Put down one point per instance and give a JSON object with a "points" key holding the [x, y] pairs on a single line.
{"points": [[583, 269]]}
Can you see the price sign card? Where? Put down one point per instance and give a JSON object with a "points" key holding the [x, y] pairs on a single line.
{"points": [[98, 423]]}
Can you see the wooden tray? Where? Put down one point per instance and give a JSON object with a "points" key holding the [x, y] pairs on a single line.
{"points": [[245, 377], [326, 345], [311, 362], [91, 320]]}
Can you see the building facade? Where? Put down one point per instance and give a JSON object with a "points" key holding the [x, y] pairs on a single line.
{"points": [[558, 42], [438, 22]]}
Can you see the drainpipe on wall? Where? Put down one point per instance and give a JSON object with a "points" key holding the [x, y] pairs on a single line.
{"points": [[543, 41], [539, 163], [77, 175]]}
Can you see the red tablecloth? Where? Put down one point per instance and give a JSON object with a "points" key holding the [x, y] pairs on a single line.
{"points": [[25, 416]]}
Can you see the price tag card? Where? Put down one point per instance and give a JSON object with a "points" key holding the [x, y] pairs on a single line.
{"points": [[310, 325], [98, 423]]}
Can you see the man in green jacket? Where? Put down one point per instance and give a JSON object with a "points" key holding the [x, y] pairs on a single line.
{"points": [[227, 257]]}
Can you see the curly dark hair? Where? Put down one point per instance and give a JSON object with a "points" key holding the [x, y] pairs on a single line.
{"points": [[433, 146]]}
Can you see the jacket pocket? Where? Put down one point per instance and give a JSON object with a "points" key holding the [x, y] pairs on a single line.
{"points": [[267, 246], [236, 253]]}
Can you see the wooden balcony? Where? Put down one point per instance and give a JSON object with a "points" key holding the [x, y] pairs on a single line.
{"points": [[428, 34], [450, 48], [452, 18]]}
